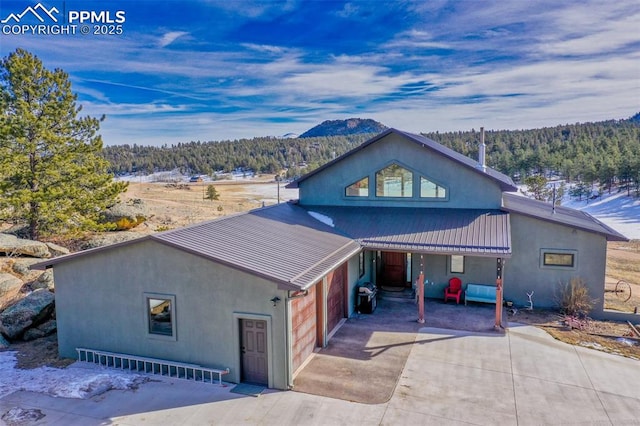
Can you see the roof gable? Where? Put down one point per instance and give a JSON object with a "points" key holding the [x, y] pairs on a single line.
{"points": [[504, 182]]}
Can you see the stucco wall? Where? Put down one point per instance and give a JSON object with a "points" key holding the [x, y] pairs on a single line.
{"points": [[100, 305], [466, 188], [523, 272], [479, 270]]}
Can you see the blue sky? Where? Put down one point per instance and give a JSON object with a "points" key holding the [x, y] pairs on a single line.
{"points": [[214, 70]]}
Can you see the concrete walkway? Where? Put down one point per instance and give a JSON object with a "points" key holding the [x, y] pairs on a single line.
{"points": [[523, 377]]}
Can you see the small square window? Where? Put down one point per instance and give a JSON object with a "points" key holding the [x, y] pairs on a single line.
{"points": [[457, 264], [161, 315]]}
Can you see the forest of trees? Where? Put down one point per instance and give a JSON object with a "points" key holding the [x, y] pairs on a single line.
{"points": [[605, 152]]}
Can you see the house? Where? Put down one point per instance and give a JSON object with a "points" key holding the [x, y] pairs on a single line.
{"points": [[257, 292]]}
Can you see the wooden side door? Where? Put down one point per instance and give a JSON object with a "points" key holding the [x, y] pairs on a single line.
{"points": [[253, 349]]}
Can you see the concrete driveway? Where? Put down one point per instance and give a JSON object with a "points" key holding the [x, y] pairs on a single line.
{"points": [[523, 377]]}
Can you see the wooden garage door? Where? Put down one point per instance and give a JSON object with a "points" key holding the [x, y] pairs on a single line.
{"points": [[303, 318], [335, 296]]}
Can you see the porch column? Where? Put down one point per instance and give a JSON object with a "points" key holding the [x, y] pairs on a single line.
{"points": [[499, 265], [421, 292]]}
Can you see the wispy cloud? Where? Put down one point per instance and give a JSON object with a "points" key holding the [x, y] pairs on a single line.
{"points": [[170, 37], [225, 70]]}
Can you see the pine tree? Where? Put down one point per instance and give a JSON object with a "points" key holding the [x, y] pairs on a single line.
{"points": [[52, 176], [212, 193]]}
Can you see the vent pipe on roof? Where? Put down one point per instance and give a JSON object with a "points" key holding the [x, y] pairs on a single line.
{"points": [[482, 151]]}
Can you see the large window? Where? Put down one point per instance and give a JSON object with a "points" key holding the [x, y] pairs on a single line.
{"points": [[161, 315], [358, 189], [429, 189], [394, 181]]}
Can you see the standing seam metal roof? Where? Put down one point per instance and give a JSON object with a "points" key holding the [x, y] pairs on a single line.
{"points": [[280, 243], [562, 215], [423, 230]]}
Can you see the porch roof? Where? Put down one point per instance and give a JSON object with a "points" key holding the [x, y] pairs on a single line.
{"points": [[441, 231]]}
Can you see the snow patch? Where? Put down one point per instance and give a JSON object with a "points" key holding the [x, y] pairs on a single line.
{"points": [[80, 380], [322, 218]]}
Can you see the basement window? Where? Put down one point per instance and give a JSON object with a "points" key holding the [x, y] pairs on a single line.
{"points": [[161, 315]]}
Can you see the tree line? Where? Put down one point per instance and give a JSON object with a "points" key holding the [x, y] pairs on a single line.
{"points": [[261, 154], [604, 152]]}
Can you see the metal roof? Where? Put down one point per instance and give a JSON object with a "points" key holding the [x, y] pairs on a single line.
{"points": [[562, 215], [423, 230], [504, 181], [280, 243]]}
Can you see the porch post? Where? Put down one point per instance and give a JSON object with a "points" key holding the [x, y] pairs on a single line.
{"points": [[499, 265], [421, 292]]}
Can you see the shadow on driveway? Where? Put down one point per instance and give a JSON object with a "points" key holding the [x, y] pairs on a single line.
{"points": [[365, 357]]}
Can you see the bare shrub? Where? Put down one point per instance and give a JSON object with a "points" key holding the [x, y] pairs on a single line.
{"points": [[574, 298]]}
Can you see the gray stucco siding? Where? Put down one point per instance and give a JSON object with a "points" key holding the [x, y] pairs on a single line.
{"points": [[436, 268], [524, 272], [101, 305], [466, 188]]}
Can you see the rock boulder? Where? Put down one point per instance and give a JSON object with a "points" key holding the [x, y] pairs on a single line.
{"points": [[9, 283], [30, 311], [12, 245]]}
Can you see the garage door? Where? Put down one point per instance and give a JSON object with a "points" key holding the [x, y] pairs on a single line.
{"points": [[303, 318], [335, 296]]}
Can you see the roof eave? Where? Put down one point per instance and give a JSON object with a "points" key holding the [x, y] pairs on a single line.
{"points": [[49, 263], [610, 235], [282, 284]]}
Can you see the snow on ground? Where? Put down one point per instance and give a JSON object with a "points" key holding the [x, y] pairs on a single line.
{"points": [[617, 210], [80, 380]]}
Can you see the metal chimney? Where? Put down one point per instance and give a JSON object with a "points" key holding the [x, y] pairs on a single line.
{"points": [[482, 151]]}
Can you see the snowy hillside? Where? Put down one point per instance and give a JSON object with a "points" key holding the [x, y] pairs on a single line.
{"points": [[618, 211]]}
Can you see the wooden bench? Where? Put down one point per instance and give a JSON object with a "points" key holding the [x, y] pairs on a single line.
{"points": [[480, 293]]}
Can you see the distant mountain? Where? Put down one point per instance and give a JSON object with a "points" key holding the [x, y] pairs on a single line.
{"points": [[289, 136], [350, 126], [635, 118]]}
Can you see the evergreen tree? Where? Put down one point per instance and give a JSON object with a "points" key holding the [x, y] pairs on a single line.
{"points": [[52, 176], [537, 187], [212, 193]]}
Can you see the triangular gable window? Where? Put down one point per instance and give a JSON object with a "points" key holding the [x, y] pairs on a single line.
{"points": [[429, 189], [394, 181], [359, 188]]}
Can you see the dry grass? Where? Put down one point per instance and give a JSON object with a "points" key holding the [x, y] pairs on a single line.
{"points": [[607, 336], [623, 264]]}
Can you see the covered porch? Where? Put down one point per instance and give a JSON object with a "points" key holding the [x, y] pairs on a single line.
{"points": [[424, 248]]}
